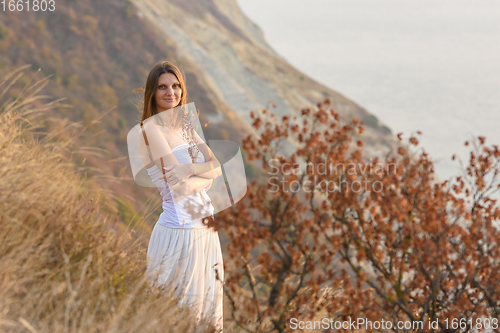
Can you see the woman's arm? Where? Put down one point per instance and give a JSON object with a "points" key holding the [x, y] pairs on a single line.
{"points": [[175, 173], [159, 150], [206, 169], [190, 186], [158, 145], [197, 184], [211, 167]]}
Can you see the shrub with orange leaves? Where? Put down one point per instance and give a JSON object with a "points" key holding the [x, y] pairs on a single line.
{"points": [[328, 233]]}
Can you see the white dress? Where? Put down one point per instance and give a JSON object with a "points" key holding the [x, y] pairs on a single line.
{"points": [[184, 255]]}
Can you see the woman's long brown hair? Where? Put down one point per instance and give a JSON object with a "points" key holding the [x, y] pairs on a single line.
{"points": [[150, 108], [179, 119]]}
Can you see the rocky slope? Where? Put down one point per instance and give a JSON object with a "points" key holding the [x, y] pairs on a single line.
{"points": [[98, 52], [232, 57]]}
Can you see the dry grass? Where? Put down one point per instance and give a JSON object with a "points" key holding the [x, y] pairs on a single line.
{"points": [[62, 268]]}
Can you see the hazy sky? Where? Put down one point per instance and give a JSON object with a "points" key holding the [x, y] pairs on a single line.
{"points": [[417, 65]]}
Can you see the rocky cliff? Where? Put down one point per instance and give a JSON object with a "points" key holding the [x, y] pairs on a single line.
{"points": [[97, 53], [231, 56]]}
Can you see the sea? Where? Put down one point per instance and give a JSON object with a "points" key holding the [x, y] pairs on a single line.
{"points": [[429, 66]]}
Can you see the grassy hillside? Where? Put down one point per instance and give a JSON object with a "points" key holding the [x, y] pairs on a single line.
{"points": [[97, 53], [64, 265]]}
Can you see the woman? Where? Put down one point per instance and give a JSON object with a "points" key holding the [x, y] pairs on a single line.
{"points": [[184, 255]]}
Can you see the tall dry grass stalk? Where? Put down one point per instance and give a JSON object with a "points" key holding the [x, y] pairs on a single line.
{"points": [[62, 269]]}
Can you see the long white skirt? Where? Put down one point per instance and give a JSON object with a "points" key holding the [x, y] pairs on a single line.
{"points": [[188, 262]]}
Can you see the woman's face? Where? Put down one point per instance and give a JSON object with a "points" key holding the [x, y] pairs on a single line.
{"points": [[168, 93]]}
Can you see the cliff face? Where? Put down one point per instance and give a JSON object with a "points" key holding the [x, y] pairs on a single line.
{"points": [[98, 52], [240, 70]]}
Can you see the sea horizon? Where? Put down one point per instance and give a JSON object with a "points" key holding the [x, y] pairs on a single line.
{"points": [[417, 66]]}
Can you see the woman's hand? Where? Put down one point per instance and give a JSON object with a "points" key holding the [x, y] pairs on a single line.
{"points": [[178, 192], [209, 185], [177, 173]]}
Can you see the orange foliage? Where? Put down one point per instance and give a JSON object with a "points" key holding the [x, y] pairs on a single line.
{"points": [[390, 244]]}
